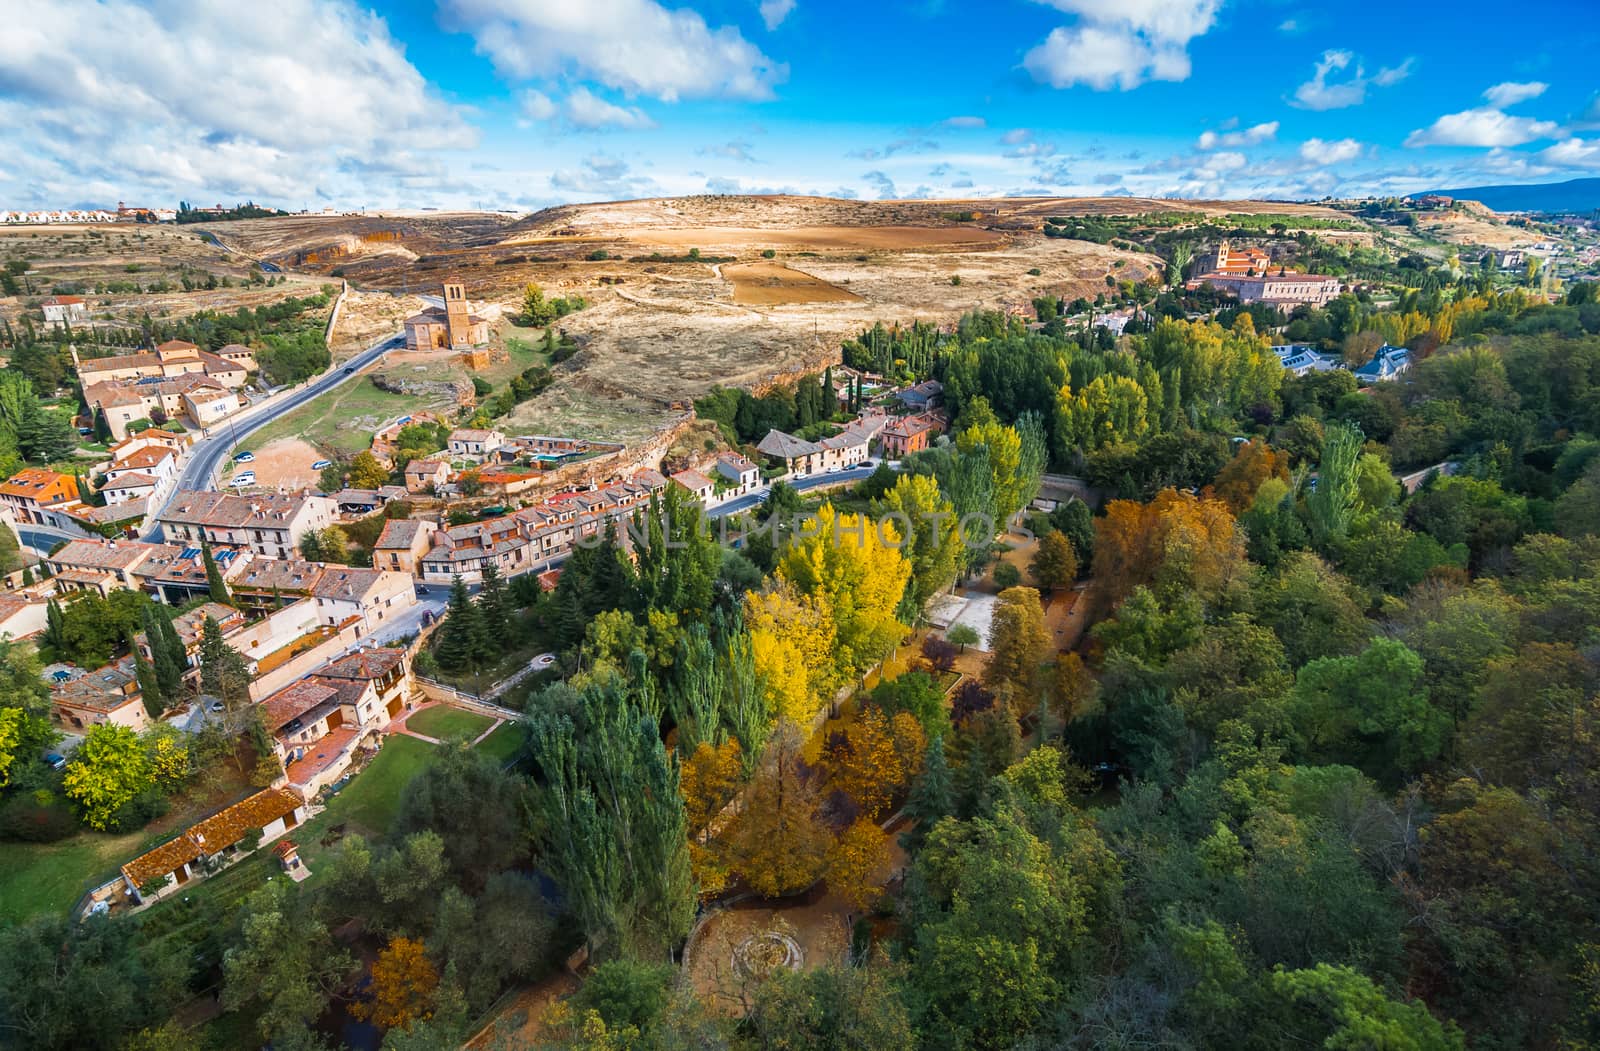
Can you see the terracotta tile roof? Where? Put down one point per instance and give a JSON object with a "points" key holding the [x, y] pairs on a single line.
{"points": [[293, 702], [37, 483], [346, 583], [131, 480], [692, 480], [104, 554], [140, 459], [365, 664], [162, 861], [231, 825]]}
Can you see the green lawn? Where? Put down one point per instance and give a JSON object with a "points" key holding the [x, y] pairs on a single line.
{"points": [[39, 878], [505, 744], [341, 420], [446, 723]]}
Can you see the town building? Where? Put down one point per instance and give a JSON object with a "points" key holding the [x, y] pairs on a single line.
{"points": [[169, 360], [211, 844], [367, 596], [923, 396], [270, 524], [1386, 364], [62, 311], [699, 486], [740, 474], [451, 327], [200, 399], [800, 457], [426, 474], [1300, 359], [402, 544], [910, 434], [1227, 261], [34, 492], [1283, 289], [474, 443], [81, 700], [22, 616]]}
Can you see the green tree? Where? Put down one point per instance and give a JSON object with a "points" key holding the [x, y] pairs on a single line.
{"points": [[1370, 710], [930, 532], [1333, 501], [1339, 1007], [285, 964], [831, 1009], [107, 772], [1018, 644], [224, 673], [366, 472], [218, 587], [463, 640]]}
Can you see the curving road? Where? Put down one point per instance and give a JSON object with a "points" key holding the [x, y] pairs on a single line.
{"points": [[814, 481], [207, 454]]}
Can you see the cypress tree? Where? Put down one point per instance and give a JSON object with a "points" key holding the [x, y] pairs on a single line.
{"points": [[166, 663], [932, 797], [54, 623], [149, 686], [830, 400], [27, 576], [461, 636], [218, 586]]}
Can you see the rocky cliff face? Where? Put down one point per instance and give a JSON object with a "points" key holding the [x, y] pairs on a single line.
{"points": [[457, 391]]}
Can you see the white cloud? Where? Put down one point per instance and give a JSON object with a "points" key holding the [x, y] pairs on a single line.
{"points": [[1572, 153], [1252, 136], [1016, 136], [1120, 44], [965, 122], [288, 102], [1504, 96], [773, 12], [1322, 153], [635, 46], [1289, 25], [585, 109], [1482, 126], [536, 105], [736, 150], [1327, 90]]}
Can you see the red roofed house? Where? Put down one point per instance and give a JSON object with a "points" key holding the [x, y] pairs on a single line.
{"points": [[699, 486], [61, 311], [211, 843], [34, 490]]}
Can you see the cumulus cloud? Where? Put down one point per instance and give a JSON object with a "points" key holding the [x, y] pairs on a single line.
{"points": [[773, 12], [965, 122], [635, 46], [1120, 44], [1330, 87], [1504, 96], [212, 99], [1252, 136], [1572, 153], [1321, 152], [1489, 125], [584, 109]]}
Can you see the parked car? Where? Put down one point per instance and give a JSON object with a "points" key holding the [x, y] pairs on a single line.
{"points": [[242, 479], [321, 464], [214, 707], [55, 760], [244, 456]]}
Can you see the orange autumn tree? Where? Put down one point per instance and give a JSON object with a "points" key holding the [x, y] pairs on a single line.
{"points": [[875, 757], [778, 843], [1177, 542], [1252, 464], [404, 982]]}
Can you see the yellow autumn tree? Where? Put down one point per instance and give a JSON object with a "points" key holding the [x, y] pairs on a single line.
{"points": [[1005, 463], [707, 780], [857, 857], [778, 843], [404, 982], [792, 644], [1107, 409], [853, 566]]}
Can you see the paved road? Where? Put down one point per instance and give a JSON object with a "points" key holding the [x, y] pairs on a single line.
{"points": [[43, 538], [207, 454]]}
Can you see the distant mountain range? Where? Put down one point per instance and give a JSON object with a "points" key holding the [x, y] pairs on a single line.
{"points": [[1574, 195]]}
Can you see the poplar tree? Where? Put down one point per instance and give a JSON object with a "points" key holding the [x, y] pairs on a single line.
{"points": [[218, 586]]}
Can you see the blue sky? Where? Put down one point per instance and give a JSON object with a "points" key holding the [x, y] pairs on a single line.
{"points": [[517, 104]]}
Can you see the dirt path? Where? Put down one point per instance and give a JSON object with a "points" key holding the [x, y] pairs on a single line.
{"points": [[286, 462]]}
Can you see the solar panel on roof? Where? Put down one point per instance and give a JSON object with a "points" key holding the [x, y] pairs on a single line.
{"points": [[189, 552]]}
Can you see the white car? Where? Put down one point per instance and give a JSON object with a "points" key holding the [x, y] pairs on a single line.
{"points": [[244, 457], [242, 479], [321, 464]]}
